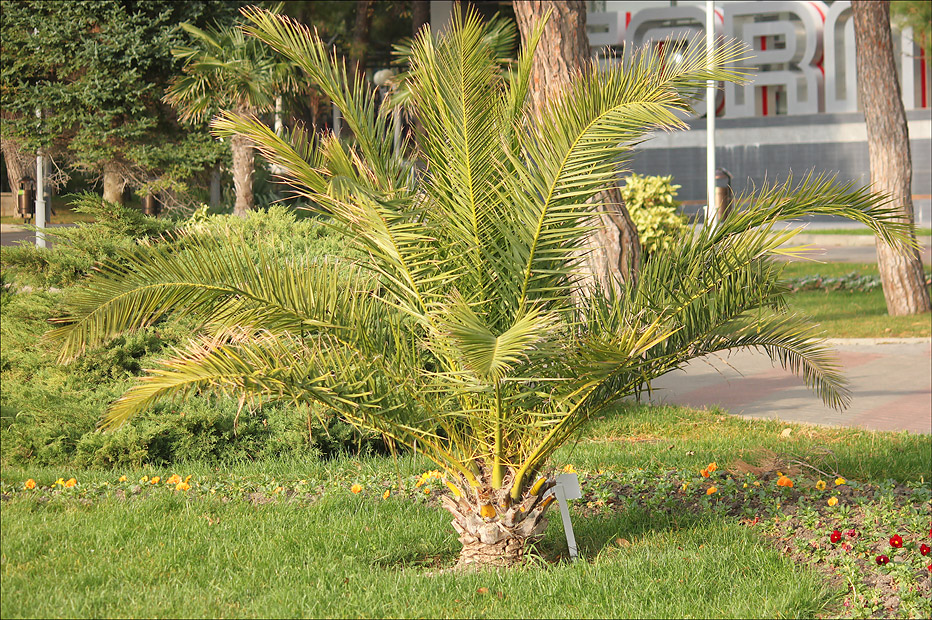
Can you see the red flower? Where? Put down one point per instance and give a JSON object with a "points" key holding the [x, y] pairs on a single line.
{"points": [[896, 541], [851, 533], [924, 549], [882, 559], [836, 536]]}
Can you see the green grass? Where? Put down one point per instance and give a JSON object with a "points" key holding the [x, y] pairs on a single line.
{"points": [[329, 553], [852, 314]]}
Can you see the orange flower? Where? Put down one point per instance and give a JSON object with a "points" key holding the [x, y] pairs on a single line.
{"points": [[712, 467], [122, 479], [30, 484], [356, 488], [711, 490], [155, 480], [173, 479], [70, 482], [704, 473], [426, 491], [182, 486], [784, 482], [832, 501], [386, 494]]}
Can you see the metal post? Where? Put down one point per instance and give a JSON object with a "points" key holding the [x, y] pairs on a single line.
{"points": [[40, 201], [711, 216], [337, 121], [396, 123]]}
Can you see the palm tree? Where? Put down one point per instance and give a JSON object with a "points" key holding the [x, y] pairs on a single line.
{"points": [[464, 335], [226, 70]]}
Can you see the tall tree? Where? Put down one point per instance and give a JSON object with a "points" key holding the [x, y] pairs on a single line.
{"points": [[888, 147], [563, 52], [96, 71], [225, 70], [359, 48]]}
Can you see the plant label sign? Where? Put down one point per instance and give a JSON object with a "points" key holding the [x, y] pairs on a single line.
{"points": [[567, 488]]}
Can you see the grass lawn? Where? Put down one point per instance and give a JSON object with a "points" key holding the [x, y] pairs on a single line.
{"points": [[290, 538], [852, 314], [63, 215]]}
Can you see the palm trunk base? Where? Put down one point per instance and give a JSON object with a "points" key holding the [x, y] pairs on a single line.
{"points": [[476, 554]]}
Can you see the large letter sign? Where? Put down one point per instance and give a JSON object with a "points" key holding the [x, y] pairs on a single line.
{"points": [[787, 41]]}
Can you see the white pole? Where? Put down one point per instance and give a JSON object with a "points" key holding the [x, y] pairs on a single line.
{"points": [[711, 213], [337, 121], [40, 196]]}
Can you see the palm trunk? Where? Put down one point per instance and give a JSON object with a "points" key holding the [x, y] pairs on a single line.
{"points": [[888, 148], [563, 51], [244, 166], [493, 530]]}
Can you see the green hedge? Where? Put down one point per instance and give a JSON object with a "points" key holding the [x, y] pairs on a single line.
{"points": [[49, 412]]}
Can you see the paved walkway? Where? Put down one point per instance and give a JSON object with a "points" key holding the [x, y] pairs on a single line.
{"points": [[890, 380]]}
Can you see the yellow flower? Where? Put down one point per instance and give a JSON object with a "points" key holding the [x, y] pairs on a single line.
{"points": [[832, 501], [182, 486], [820, 485], [30, 484], [70, 482], [569, 469], [711, 490], [60, 482], [386, 494], [356, 488], [685, 486], [144, 479], [757, 483], [155, 480], [173, 479], [278, 490], [840, 481], [122, 479], [744, 486]]}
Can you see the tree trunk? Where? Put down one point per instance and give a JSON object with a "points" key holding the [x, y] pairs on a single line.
{"points": [[360, 45], [888, 147], [493, 530], [420, 15], [17, 163], [215, 189], [113, 183], [563, 52], [243, 168]]}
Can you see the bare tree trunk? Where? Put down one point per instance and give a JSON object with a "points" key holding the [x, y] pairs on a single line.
{"points": [[359, 48], [16, 163], [420, 15], [244, 166], [113, 183], [888, 147], [563, 52]]}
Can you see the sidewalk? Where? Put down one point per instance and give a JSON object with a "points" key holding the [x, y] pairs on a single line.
{"points": [[890, 381]]}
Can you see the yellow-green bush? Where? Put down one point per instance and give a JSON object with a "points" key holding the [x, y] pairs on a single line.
{"points": [[652, 203]]}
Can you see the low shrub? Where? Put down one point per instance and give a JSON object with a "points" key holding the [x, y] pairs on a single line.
{"points": [[50, 411], [654, 209]]}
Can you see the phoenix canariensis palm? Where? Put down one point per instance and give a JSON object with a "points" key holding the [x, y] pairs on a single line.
{"points": [[224, 69], [463, 334]]}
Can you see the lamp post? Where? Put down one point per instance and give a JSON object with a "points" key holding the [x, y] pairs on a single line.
{"points": [[40, 195], [711, 213]]}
